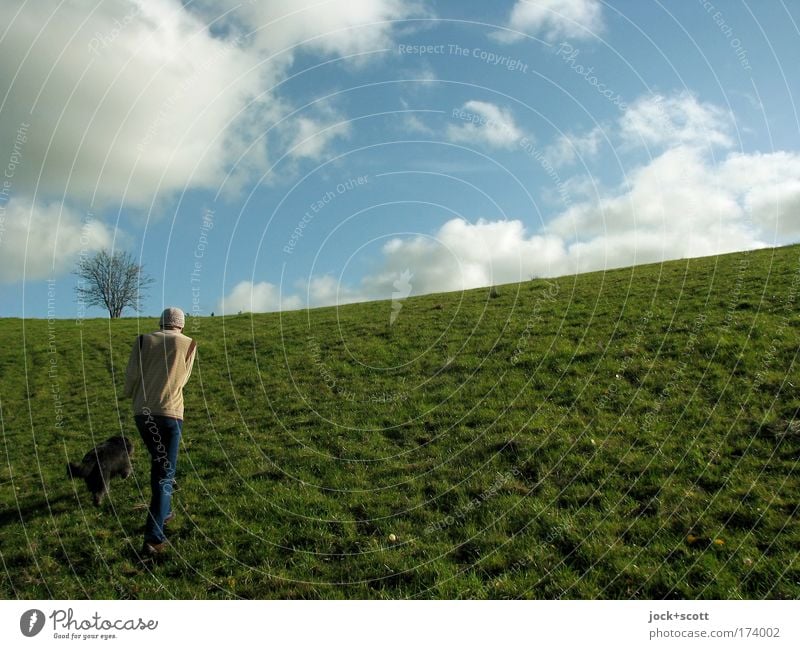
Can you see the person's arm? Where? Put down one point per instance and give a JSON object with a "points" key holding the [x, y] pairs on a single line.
{"points": [[190, 360], [132, 376]]}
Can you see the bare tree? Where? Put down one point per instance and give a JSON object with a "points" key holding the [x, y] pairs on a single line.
{"points": [[111, 281]]}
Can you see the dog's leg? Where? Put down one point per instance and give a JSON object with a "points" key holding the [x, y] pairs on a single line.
{"points": [[105, 475], [99, 485]]}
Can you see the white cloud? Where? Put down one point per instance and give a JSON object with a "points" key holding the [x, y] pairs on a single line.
{"points": [[677, 205], [768, 186], [129, 100], [553, 19], [423, 76], [413, 123], [324, 290], [256, 297], [137, 99], [260, 297], [458, 256], [462, 255], [486, 123], [41, 241], [569, 146], [330, 27], [681, 203], [656, 120], [312, 135], [411, 119]]}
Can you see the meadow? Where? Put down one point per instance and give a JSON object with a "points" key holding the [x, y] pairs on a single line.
{"points": [[623, 434]]}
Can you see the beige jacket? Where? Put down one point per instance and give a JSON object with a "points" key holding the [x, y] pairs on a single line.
{"points": [[159, 367]]}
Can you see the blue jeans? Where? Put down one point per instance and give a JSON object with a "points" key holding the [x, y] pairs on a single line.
{"points": [[161, 436]]}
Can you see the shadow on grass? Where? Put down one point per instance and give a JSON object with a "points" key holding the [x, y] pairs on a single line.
{"points": [[31, 510]]}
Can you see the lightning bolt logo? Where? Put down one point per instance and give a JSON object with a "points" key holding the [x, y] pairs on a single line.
{"points": [[31, 622], [402, 289]]}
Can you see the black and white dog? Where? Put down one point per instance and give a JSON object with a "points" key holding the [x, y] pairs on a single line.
{"points": [[108, 460]]}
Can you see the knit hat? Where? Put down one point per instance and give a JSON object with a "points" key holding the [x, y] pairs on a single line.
{"points": [[171, 317]]}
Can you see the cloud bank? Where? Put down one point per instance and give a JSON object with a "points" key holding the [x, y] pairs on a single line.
{"points": [[693, 195], [128, 103]]}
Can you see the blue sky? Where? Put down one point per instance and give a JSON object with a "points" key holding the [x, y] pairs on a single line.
{"points": [[281, 154]]}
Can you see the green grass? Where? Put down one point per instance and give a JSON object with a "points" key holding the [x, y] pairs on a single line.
{"points": [[627, 434]]}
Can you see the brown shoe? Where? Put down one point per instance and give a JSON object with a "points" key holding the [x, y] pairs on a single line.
{"points": [[151, 549]]}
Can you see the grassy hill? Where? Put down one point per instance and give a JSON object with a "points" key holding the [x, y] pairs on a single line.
{"points": [[627, 434]]}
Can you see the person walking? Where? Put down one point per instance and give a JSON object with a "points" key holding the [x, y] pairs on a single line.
{"points": [[158, 369]]}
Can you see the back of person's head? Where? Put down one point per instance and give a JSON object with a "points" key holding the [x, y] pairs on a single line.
{"points": [[171, 318]]}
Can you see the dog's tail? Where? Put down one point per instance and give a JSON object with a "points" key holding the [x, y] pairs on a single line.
{"points": [[75, 471]]}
